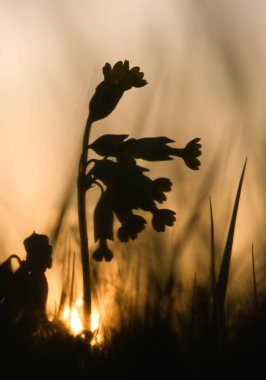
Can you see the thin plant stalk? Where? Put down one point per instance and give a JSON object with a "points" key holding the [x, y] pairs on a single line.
{"points": [[84, 241], [66, 280], [72, 290], [193, 307], [213, 274], [256, 300], [226, 260]]}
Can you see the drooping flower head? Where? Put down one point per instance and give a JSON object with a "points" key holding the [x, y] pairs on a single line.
{"points": [[190, 154], [103, 252], [116, 81], [162, 218], [128, 189], [159, 187], [147, 148], [131, 226], [122, 76]]}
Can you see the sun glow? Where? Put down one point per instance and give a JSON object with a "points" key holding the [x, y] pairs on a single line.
{"points": [[72, 317], [95, 321]]}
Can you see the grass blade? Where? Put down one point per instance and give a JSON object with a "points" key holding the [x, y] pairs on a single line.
{"points": [[65, 286], [213, 271], [225, 266], [256, 300], [193, 309], [72, 290]]}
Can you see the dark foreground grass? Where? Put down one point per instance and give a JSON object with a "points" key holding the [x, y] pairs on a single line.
{"points": [[161, 343], [141, 352]]}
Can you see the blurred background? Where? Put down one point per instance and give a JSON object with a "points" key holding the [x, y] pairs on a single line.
{"points": [[205, 64]]}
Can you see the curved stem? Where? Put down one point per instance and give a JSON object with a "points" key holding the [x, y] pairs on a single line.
{"points": [[84, 242]]}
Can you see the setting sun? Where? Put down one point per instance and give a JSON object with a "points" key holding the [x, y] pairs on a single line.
{"points": [[73, 318]]}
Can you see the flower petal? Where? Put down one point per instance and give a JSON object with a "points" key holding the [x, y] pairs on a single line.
{"points": [[107, 71]]}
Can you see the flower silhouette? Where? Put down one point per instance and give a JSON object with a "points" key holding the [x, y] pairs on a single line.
{"points": [[125, 187], [190, 154], [128, 189], [103, 218], [103, 252], [147, 148], [116, 81], [122, 76], [131, 225], [162, 218], [159, 187]]}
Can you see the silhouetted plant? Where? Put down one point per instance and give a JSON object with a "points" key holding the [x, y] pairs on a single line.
{"points": [[125, 187], [222, 281]]}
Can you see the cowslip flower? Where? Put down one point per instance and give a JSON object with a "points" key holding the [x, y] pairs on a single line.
{"points": [[159, 187], [103, 252], [131, 225], [116, 81], [103, 218], [162, 218], [190, 154]]}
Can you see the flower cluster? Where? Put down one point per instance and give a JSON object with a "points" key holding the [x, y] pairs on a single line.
{"points": [[127, 189], [125, 186]]}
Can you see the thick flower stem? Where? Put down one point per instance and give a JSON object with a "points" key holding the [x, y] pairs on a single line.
{"points": [[84, 243]]}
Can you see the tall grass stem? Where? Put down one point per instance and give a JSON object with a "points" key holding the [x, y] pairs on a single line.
{"points": [[256, 300], [226, 259], [84, 241]]}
